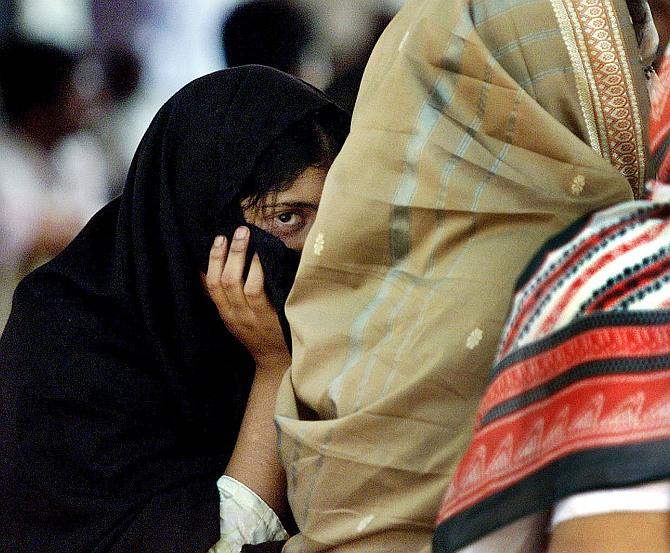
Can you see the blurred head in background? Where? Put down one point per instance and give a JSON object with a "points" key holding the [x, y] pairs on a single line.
{"points": [[348, 67], [38, 94], [267, 32], [122, 72]]}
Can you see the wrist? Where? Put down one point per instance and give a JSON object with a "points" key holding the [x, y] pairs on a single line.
{"points": [[272, 363]]}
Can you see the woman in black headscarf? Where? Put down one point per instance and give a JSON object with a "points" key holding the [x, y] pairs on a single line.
{"points": [[121, 390]]}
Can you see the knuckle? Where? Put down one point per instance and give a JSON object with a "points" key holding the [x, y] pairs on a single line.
{"points": [[254, 292], [228, 281]]}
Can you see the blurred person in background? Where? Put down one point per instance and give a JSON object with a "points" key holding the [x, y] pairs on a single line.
{"points": [[120, 111], [7, 10], [275, 33], [348, 69], [51, 180], [298, 38], [116, 28]]}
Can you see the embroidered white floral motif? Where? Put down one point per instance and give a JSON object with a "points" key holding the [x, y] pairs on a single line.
{"points": [[319, 243], [474, 339], [578, 184]]}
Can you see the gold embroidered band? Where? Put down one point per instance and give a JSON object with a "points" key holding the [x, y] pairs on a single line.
{"points": [[604, 83]]}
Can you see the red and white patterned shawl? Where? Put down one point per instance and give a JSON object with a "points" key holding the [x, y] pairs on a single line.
{"points": [[579, 396]]}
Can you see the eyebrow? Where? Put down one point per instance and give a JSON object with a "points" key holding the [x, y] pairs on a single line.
{"points": [[294, 205]]}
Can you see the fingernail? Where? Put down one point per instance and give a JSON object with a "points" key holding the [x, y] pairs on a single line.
{"points": [[218, 241], [241, 233]]}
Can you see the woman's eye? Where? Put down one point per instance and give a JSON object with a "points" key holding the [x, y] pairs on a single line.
{"points": [[286, 217], [290, 227]]}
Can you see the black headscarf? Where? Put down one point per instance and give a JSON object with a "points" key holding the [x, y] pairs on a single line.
{"points": [[121, 392]]}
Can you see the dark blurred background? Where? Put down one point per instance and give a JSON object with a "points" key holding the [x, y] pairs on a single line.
{"points": [[80, 81]]}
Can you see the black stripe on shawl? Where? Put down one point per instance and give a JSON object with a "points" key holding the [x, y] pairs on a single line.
{"points": [[602, 367], [549, 246], [661, 151], [579, 326], [601, 468]]}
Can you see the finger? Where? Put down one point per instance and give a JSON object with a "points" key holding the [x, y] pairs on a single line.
{"points": [[231, 277], [254, 287], [217, 258]]}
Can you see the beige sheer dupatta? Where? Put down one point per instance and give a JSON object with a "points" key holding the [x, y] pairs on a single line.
{"points": [[482, 127]]}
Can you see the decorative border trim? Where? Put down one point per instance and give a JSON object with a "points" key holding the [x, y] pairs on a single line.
{"points": [[604, 411], [599, 345], [582, 71], [604, 82], [659, 127], [619, 466]]}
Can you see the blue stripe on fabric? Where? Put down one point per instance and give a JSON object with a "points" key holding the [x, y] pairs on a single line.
{"points": [[485, 10], [406, 189], [357, 330], [525, 41], [441, 99], [544, 74], [441, 94], [400, 225], [493, 170], [458, 154], [372, 358]]}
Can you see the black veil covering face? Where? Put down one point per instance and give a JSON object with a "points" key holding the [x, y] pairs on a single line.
{"points": [[121, 392]]}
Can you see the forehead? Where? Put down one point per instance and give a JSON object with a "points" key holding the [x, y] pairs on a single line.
{"points": [[307, 187]]}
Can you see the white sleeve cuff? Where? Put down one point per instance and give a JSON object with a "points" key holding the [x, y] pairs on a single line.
{"points": [[653, 497], [245, 518]]}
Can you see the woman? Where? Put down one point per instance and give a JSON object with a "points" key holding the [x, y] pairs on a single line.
{"points": [[571, 450], [122, 391], [482, 128]]}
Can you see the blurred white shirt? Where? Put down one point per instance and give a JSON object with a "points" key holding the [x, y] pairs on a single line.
{"points": [[72, 179]]}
